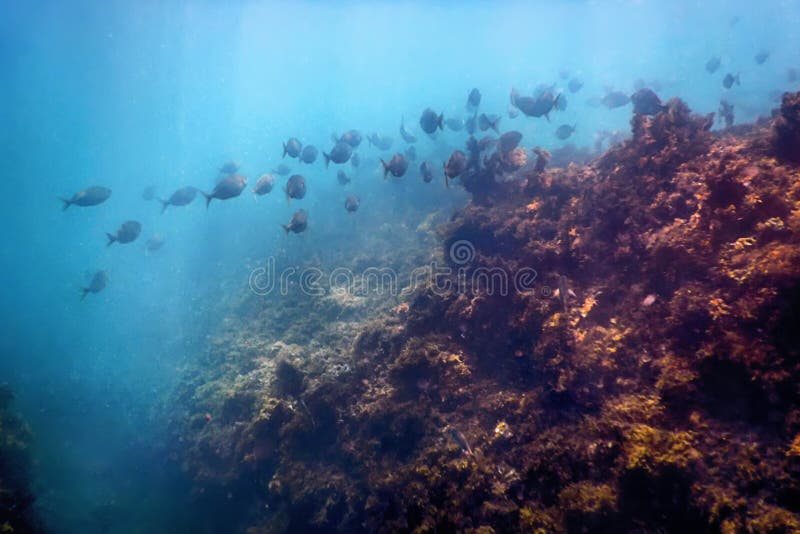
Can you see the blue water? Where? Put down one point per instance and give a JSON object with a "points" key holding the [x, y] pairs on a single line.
{"points": [[128, 94]]}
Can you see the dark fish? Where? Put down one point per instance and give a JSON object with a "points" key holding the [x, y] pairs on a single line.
{"points": [[298, 224], [149, 192], [454, 124], [509, 141], [615, 99], [97, 284], [713, 64], [282, 170], [574, 85], [726, 112], [229, 187], [461, 441], [411, 153], [342, 178], [229, 167], [380, 141], [473, 99], [292, 147], [340, 153], [355, 160], [488, 121], [730, 79], [405, 133], [430, 121], [154, 243], [564, 131], [264, 184], [181, 197], [646, 102], [91, 196], [761, 57], [454, 166], [351, 137], [351, 203], [309, 154], [127, 233], [540, 106], [471, 124], [296, 187], [426, 170], [397, 166]]}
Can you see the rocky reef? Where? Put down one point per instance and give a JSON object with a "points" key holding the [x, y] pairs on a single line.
{"points": [[16, 497], [613, 347]]}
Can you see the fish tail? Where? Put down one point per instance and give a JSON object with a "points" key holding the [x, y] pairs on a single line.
{"points": [[441, 121], [285, 228], [85, 291], [164, 205], [494, 125], [327, 159], [111, 239], [385, 169], [67, 203], [208, 198], [284, 151]]}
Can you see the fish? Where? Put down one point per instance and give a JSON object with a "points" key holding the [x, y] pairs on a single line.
{"points": [[713, 64], [615, 99], [298, 223], [342, 178], [574, 85], [761, 57], [473, 99], [397, 166], [282, 170], [229, 167], [646, 102], [351, 137], [471, 124], [485, 142], [411, 153], [461, 441], [560, 102], [229, 187], [182, 197], [295, 187], [456, 165], [730, 79], [426, 170], [405, 133], [97, 284], [429, 121], [454, 124], [540, 106], [563, 292], [340, 153], [726, 112], [91, 196], [264, 184], [509, 141], [355, 159], [154, 243], [488, 121], [380, 141], [564, 131], [149, 192], [292, 147], [127, 233], [352, 203], [309, 154]]}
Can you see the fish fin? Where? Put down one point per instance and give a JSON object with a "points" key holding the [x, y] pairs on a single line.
{"points": [[164, 205], [67, 203], [547, 116], [285, 228], [572, 294], [441, 121], [85, 291], [284, 151], [385, 169], [111, 239], [327, 159], [208, 198], [557, 293]]}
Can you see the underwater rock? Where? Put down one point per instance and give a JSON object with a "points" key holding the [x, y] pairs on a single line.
{"points": [[786, 129]]}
